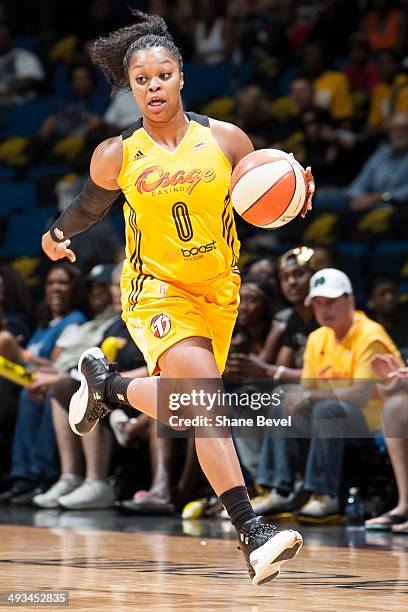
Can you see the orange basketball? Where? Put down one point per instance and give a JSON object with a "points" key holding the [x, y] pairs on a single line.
{"points": [[268, 188]]}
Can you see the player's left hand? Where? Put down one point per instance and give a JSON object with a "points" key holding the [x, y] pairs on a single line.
{"points": [[311, 187]]}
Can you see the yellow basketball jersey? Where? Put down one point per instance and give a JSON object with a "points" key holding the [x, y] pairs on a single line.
{"points": [[179, 220]]}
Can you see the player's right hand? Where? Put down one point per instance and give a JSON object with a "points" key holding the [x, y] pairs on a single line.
{"points": [[57, 250]]}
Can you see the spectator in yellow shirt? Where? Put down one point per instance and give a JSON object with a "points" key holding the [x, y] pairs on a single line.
{"points": [[337, 401], [331, 86]]}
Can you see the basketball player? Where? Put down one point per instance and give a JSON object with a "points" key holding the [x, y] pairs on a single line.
{"points": [[179, 282]]}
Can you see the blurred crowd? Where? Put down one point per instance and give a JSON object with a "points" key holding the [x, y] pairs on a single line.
{"points": [[297, 331], [324, 79]]}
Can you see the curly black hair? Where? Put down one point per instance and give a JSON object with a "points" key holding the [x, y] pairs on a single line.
{"points": [[113, 53]]}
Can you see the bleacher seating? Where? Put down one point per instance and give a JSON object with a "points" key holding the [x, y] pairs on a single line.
{"points": [[17, 196], [26, 119], [24, 231]]}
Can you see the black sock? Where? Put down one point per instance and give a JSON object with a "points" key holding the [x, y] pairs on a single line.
{"points": [[116, 389], [237, 505]]}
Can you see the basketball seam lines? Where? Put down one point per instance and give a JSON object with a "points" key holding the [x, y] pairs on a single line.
{"points": [[268, 161], [273, 184]]}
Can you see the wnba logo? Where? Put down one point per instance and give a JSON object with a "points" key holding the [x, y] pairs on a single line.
{"points": [[160, 325]]}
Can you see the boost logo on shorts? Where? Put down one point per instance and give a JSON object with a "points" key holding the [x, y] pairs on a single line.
{"points": [[160, 325]]}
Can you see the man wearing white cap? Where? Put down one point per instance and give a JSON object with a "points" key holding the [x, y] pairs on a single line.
{"points": [[338, 398]]}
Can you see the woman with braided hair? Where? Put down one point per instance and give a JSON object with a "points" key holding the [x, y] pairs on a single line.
{"points": [[179, 281]]}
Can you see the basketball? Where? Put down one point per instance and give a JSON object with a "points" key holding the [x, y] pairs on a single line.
{"points": [[268, 188]]}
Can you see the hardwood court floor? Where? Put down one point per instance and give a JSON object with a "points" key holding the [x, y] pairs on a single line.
{"points": [[115, 571]]}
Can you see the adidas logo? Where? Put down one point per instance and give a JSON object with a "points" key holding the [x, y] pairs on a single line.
{"points": [[138, 155]]}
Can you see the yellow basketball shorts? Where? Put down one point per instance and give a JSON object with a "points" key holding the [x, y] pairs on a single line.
{"points": [[166, 313]]}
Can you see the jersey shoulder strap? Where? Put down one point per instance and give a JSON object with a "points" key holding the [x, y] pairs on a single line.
{"points": [[128, 132], [201, 119]]}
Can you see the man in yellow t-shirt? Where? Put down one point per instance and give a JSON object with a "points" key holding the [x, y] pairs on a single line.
{"points": [[338, 399]]}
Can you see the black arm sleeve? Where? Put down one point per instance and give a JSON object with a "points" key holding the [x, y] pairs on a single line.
{"points": [[89, 207]]}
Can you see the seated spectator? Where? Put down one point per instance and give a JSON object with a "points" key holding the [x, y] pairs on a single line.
{"points": [[296, 268], [341, 349], [263, 267], [63, 297], [394, 387], [254, 325], [34, 458], [326, 149], [362, 75], [101, 243], [59, 311], [212, 34], [300, 99], [288, 129], [98, 18], [298, 19], [184, 22], [384, 306], [303, 127], [14, 313], [383, 178], [390, 94], [284, 344], [14, 328], [21, 72], [259, 28], [255, 317], [336, 20], [83, 97], [62, 134], [180, 22], [122, 110], [331, 86], [268, 268], [252, 114], [325, 256], [384, 26], [72, 491]]}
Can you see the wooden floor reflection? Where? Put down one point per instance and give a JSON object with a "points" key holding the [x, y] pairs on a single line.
{"points": [[112, 571]]}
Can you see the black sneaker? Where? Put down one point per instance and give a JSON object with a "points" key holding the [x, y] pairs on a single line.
{"points": [[18, 488], [26, 499], [265, 548], [88, 404]]}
